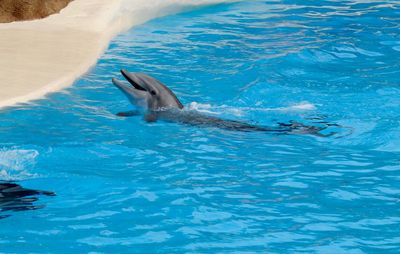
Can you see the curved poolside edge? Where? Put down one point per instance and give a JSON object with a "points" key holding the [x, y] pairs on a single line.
{"points": [[43, 56]]}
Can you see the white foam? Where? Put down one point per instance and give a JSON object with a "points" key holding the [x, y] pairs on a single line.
{"points": [[204, 108], [15, 163], [239, 111], [303, 106]]}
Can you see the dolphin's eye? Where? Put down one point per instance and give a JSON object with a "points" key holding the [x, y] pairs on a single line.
{"points": [[153, 92]]}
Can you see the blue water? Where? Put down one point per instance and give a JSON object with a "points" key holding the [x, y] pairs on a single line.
{"points": [[127, 186]]}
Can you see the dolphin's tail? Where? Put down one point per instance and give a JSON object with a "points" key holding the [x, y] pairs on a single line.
{"points": [[294, 127]]}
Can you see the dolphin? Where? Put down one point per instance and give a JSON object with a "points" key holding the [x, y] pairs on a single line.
{"points": [[14, 197], [156, 101]]}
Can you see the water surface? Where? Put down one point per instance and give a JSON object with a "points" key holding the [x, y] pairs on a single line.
{"points": [[125, 186]]}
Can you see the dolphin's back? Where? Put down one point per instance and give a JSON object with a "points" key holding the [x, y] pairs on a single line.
{"points": [[197, 119]]}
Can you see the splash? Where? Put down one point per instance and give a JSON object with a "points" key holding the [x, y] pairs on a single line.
{"points": [[15, 163], [239, 111]]}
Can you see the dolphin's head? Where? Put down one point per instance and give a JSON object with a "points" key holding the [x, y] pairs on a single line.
{"points": [[137, 97], [147, 92]]}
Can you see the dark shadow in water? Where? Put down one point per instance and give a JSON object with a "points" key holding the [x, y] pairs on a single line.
{"points": [[15, 198]]}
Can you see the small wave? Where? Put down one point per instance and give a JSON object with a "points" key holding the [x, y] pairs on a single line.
{"points": [[211, 109], [14, 164]]}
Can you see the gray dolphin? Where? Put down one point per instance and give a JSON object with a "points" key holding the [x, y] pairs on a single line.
{"points": [[157, 101]]}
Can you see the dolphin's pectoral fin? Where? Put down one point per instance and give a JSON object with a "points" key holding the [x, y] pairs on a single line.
{"points": [[150, 118], [129, 113]]}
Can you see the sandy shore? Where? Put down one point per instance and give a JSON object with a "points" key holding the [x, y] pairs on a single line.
{"points": [[42, 56]]}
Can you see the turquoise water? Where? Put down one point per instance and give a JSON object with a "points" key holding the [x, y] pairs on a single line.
{"points": [[127, 186]]}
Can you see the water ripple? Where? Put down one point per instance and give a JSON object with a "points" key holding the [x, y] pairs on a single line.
{"points": [[125, 186]]}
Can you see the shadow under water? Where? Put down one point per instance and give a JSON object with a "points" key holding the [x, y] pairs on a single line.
{"points": [[318, 126], [15, 198]]}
